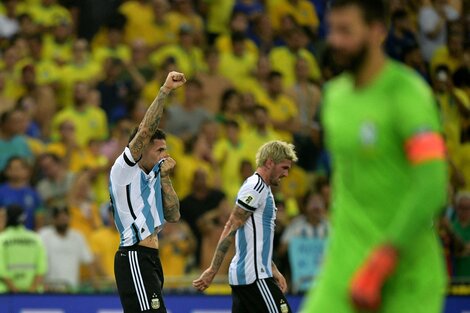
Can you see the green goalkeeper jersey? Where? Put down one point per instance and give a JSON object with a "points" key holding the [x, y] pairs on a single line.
{"points": [[389, 180]]}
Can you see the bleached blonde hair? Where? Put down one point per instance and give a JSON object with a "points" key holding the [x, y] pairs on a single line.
{"points": [[277, 151]]}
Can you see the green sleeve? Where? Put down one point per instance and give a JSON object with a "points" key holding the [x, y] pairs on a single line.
{"points": [[416, 114], [42, 259]]}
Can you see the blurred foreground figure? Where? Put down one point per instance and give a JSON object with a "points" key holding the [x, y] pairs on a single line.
{"points": [[389, 176]]}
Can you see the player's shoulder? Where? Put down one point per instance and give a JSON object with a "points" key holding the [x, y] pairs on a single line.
{"points": [[254, 183], [405, 80]]}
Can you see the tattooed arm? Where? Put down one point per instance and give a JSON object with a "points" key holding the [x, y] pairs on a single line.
{"points": [[151, 119], [237, 219], [171, 203]]}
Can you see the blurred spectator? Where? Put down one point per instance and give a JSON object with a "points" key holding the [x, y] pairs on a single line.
{"points": [[17, 190], [176, 248], [252, 8], [81, 68], [115, 47], [230, 104], [6, 103], [211, 225], [311, 224], [281, 109], [303, 12], [213, 83], [84, 212], [42, 97], [10, 59], [139, 67], [433, 18], [185, 120], [74, 156], [258, 83], [164, 28], [218, 18], [66, 250], [139, 18], [58, 45], [262, 34], [103, 243], [293, 189], [238, 24], [56, 182], [48, 13], [114, 91], [283, 58], [400, 36], [188, 56], [90, 121], [461, 227], [453, 103], [260, 131], [201, 200], [9, 25], [46, 71], [23, 260], [451, 54], [184, 15], [229, 153], [119, 139], [198, 156], [238, 64], [307, 97], [414, 59]]}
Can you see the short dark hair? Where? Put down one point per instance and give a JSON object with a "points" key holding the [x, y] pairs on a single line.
{"points": [[194, 82], [238, 37], [15, 215], [158, 134], [372, 10], [56, 211], [260, 107], [399, 15], [274, 74], [56, 158], [232, 123]]}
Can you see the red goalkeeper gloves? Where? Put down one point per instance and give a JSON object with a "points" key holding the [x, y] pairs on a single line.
{"points": [[366, 286]]}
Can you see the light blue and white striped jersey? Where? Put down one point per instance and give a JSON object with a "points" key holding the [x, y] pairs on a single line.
{"points": [[136, 198], [254, 240]]}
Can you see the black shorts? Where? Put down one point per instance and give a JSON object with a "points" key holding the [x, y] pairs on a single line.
{"points": [[262, 296], [139, 279]]}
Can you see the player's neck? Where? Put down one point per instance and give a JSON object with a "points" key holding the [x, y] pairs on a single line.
{"points": [[263, 173], [370, 69]]}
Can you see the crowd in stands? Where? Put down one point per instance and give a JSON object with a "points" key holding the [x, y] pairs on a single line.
{"points": [[76, 76]]}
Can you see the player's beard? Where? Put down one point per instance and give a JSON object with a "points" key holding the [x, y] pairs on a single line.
{"points": [[351, 62]]}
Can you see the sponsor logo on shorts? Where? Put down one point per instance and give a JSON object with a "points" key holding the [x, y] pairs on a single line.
{"points": [[284, 308]]}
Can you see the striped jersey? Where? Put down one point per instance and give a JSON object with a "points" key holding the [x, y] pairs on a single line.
{"points": [[136, 198], [254, 240]]}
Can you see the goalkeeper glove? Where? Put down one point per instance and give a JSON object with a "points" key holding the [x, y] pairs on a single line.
{"points": [[367, 283]]}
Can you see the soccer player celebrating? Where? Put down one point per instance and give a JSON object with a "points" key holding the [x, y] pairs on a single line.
{"points": [[389, 176], [257, 285], [143, 198]]}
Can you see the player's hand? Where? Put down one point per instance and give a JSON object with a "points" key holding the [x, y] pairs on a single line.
{"points": [[280, 280], [366, 286], [173, 81], [204, 281], [167, 166]]}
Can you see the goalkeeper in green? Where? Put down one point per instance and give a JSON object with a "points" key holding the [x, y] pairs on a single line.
{"points": [[389, 176]]}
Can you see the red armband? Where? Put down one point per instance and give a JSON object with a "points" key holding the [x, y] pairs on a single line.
{"points": [[425, 147]]}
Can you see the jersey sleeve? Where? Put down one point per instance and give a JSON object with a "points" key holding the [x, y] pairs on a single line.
{"points": [[250, 195], [124, 168], [418, 124], [424, 148]]}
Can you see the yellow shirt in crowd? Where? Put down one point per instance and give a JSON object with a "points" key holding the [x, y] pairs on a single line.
{"points": [[90, 124]]}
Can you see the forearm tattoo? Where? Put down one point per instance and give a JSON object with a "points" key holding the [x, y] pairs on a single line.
{"points": [[222, 249], [171, 203]]}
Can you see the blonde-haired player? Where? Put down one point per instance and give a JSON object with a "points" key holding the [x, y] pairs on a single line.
{"points": [[257, 285]]}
